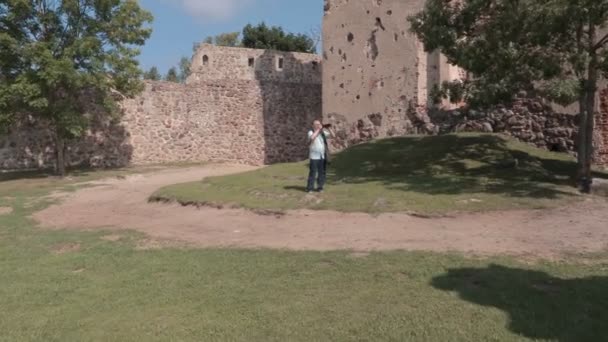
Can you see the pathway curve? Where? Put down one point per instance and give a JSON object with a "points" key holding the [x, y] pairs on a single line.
{"points": [[122, 204]]}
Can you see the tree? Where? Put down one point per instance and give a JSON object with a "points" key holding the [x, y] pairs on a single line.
{"points": [[184, 69], [228, 39], [52, 53], [172, 75], [264, 37], [152, 74], [223, 39], [274, 38], [550, 47]]}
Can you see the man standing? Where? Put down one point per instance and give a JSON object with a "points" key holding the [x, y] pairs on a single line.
{"points": [[317, 139]]}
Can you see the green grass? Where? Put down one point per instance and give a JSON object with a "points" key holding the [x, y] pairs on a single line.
{"points": [[111, 291], [466, 172]]}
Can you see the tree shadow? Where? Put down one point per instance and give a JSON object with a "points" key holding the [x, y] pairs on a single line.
{"points": [[292, 99], [40, 174], [456, 164], [540, 306], [29, 148], [295, 187]]}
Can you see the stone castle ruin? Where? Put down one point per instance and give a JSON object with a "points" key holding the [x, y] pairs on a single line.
{"points": [[239, 105], [377, 77], [378, 81], [251, 106]]}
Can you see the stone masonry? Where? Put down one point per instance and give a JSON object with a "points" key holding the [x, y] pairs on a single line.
{"points": [[602, 130], [528, 120], [254, 106], [239, 105], [377, 82], [377, 78]]}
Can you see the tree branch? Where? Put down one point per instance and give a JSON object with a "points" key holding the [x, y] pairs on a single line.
{"points": [[601, 42]]}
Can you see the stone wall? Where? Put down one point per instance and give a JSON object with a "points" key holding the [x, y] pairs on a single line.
{"points": [[211, 118], [377, 82], [212, 62], [369, 58], [228, 120], [30, 145], [528, 120], [602, 129], [377, 78]]}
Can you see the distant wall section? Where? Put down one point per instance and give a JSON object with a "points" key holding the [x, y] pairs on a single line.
{"points": [[239, 105]]}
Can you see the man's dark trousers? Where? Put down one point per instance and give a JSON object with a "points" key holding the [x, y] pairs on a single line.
{"points": [[317, 172]]}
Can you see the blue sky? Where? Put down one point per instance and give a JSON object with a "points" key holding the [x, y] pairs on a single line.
{"points": [[180, 23]]}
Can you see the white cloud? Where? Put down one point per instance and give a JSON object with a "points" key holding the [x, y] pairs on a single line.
{"points": [[212, 9]]}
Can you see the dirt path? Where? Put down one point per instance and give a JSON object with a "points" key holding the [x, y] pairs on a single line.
{"points": [[123, 204]]}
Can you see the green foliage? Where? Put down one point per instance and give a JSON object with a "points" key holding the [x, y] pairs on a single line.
{"points": [[184, 69], [224, 39], [555, 48], [53, 53], [228, 39], [115, 285], [275, 38], [152, 74], [421, 174], [172, 75], [68, 285], [454, 91], [264, 37], [514, 45]]}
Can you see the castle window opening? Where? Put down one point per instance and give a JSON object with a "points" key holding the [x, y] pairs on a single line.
{"points": [[205, 59], [251, 62], [280, 63], [314, 65]]}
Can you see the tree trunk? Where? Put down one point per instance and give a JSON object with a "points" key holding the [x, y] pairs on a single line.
{"points": [[60, 150], [589, 127], [582, 103], [582, 136]]}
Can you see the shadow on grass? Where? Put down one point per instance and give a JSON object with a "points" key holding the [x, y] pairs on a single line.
{"points": [[39, 174], [540, 306], [456, 164], [295, 187], [50, 174]]}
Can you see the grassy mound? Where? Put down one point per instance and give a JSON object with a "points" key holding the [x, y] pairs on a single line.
{"points": [[459, 172]]}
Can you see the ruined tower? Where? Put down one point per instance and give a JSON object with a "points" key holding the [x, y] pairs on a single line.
{"points": [[376, 76]]}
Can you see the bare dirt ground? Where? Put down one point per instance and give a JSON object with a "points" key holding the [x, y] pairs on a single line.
{"points": [[122, 204]]}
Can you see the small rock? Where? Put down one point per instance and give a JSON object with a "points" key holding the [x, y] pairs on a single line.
{"points": [[599, 187], [380, 202]]}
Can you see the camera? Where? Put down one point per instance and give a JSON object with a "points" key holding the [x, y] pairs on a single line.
{"points": [[327, 126]]}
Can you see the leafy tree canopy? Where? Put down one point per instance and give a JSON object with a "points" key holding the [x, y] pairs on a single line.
{"points": [[152, 74], [507, 46], [172, 75], [52, 51], [557, 48], [275, 38], [184, 69], [265, 37]]}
